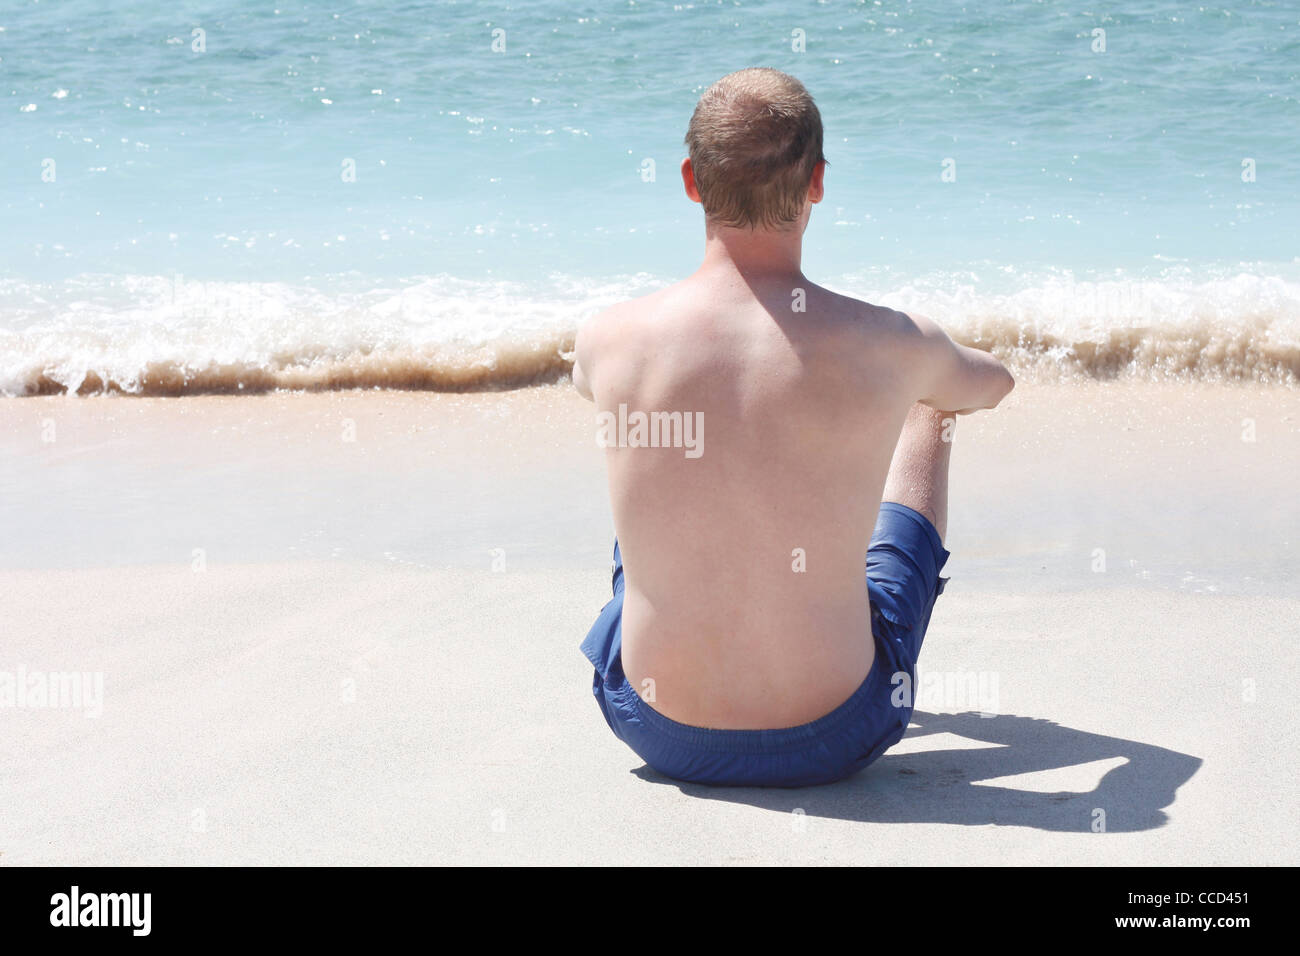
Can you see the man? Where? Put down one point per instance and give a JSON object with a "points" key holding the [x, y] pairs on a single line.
{"points": [[743, 644]]}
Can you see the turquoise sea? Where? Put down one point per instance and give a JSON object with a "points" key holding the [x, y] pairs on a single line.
{"points": [[435, 194]]}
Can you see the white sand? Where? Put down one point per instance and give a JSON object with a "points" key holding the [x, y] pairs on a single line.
{"points": [[347, 680]]}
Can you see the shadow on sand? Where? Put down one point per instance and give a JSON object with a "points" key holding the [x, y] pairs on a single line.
{"points": [[940, 786]]}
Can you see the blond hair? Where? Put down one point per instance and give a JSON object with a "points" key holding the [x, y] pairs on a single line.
{"points": [[754, 139]]}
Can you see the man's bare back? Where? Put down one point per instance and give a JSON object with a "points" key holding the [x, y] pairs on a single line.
{"points": [[746, 604], [743, 603]]}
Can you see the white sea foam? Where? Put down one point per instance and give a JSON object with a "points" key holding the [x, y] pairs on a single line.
{"points": [[171, 335]]}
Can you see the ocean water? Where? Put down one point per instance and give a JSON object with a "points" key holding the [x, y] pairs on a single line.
{"points": [[436, 194]]}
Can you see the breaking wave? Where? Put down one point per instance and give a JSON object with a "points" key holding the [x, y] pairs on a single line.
{"points": [[153, 335]]}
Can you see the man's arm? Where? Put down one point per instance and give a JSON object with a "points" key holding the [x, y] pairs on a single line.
{"points": [[958, 378]]}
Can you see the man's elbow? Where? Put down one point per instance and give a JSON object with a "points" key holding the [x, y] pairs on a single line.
{"points": [[991, 379], [1004, 382]]}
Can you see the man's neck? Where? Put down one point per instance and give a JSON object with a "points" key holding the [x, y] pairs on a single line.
{"points": [[754, 253]]}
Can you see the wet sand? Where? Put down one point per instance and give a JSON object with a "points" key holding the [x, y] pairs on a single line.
{"points": [[343, 627]]}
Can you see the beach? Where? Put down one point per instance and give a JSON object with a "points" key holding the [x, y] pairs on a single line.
{"points": [[302, 522], [342, 627]]}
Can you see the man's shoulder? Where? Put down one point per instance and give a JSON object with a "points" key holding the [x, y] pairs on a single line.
{"points": [[603, 335], [871, 342], [612, 321], [626, 309], [860, 318]]}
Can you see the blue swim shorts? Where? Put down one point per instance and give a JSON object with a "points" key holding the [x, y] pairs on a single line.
{"points": [[903, 565]]}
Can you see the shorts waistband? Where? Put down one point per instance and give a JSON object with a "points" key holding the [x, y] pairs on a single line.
{"points": [[777, 740]]}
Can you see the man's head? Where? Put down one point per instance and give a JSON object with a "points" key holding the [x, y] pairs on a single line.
{"points": [[755, 142]]}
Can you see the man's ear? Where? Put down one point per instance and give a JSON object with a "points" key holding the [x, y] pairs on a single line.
{"points": [[688, 180], [816, 188]]}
